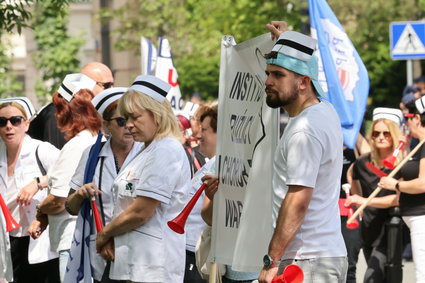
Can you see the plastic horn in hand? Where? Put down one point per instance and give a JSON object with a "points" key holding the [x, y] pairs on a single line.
{"points": [[177, 224], [96, 215], [378, 189], [11, 223], [390, 160], [291, 274], [355, 223]]}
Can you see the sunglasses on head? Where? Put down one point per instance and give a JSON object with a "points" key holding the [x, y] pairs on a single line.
{"points": [[376, 134], [120, 121], [106, 85], [14, 120]]}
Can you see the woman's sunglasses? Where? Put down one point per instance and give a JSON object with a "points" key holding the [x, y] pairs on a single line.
{"points": [[120, 121], [376, 134], [14, 120]]}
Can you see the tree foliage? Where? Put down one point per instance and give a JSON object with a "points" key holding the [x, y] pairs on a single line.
{"points": [[9, 85], [15, 14], [57, 52], [194, 29]]}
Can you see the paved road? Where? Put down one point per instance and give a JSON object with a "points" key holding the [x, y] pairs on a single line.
{"points": [[408, 270]]}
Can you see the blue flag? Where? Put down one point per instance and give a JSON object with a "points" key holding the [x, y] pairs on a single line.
{"points": [[342, 73], [79, 267]]}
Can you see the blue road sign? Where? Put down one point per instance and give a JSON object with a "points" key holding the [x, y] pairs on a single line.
{"points": [[407, 40]]}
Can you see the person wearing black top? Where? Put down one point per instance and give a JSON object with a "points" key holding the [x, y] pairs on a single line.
{"points": [[411, 187], [383, 138]]}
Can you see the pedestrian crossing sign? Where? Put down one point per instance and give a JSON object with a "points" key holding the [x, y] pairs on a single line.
{"points": [[407, 40]]}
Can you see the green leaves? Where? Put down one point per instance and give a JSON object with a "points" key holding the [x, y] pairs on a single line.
{"points": [[57, 52]]}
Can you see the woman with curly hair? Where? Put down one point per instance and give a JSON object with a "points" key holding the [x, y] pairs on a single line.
{"points": [[79, 121]]}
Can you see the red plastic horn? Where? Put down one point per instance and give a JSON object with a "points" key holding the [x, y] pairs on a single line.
{"points": [[11, 223], [355, 223], [390, 160], [177, 224], [96, 215], [291, 274]]}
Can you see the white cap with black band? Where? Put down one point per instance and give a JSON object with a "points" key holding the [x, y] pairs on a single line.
{"points": [[72, 83], [393, 114], [151, 86], [24, 102], [102, 100]]}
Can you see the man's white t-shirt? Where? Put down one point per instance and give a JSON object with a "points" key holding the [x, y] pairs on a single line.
{"points": [[310, 154]]}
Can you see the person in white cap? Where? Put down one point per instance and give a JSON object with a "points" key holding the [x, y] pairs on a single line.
{"points": [[79, 121], [114, 156], [411, 187], [24, 163], [307, 167], [151, 190], [384, 137], [44, 126]]}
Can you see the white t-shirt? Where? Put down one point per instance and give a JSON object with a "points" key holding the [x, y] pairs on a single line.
{"points": [[310, 154], [194, 223], [153, 252], [62, 225]]}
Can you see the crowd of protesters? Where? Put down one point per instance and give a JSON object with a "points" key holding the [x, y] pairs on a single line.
{"points": [[138, 162]]}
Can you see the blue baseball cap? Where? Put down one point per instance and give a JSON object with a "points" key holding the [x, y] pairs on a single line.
{"points": [[294, 51]]}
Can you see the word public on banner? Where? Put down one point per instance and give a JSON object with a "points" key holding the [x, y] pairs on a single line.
{"points": [[342, 74], [247, 134], [159, 62]]}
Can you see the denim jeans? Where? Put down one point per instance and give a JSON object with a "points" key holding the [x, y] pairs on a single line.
{"points": [[320, 270]]}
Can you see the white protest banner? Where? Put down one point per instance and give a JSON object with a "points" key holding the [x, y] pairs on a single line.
{"points": [[166, 71], [247, 134]]}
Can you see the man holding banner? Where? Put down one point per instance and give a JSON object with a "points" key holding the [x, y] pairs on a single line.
{"points": [[307, 167]]}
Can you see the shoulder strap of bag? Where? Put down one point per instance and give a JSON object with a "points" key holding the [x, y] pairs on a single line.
{"points": [[40, 165]]}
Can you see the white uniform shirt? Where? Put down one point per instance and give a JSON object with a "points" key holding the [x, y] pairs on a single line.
{"points": [[109, 173], [153, 252], [195, 224], [310, 154], [26, 169], [62, 225]]}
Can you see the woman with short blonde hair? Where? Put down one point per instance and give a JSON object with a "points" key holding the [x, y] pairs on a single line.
{"points": [[149, 192]]}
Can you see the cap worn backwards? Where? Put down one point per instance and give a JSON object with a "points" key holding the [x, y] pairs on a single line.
{"points": [[72, 83], [151, 86], [24, 102], [294, 51], [393, 114], [102, 100]]}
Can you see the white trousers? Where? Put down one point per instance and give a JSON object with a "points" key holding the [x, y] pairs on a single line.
{"points": [[416, 225]]}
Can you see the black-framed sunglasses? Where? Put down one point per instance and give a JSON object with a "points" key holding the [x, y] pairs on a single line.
{"points": [[14, 120], [106, 85], [120, 121]]}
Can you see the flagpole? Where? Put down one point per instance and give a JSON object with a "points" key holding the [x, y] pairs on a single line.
{"points": [[213, 272]]}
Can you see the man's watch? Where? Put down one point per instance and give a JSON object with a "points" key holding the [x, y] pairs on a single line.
{"points": [[269, 262], [37, 208]]}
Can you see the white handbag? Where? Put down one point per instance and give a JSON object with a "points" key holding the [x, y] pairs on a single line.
{"points": [[202, 255]]}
